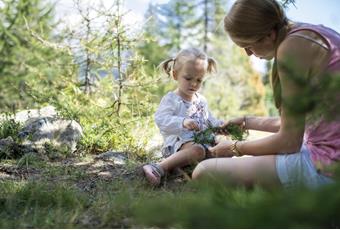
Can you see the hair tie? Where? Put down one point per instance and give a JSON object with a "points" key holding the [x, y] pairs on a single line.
{"points": [[173, 59]]}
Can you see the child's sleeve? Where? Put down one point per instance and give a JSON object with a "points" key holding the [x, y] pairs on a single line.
{"points": [[211, 119], [166, 118], [214, 121]]}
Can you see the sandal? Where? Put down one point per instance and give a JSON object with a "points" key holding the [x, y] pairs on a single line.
{"points": [[153, 173]]}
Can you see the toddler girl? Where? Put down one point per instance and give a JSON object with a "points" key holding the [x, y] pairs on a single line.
{"points": [[182, 112]]}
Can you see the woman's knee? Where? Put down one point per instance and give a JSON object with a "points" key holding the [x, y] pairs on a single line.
{"points": [[200, 170]]}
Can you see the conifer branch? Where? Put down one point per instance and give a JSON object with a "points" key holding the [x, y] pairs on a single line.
{"points": [[208, 135]]}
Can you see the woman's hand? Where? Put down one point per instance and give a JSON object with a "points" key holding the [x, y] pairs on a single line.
{"points": [[190, 124], [237, 121], [240, 121], [222, 149]]}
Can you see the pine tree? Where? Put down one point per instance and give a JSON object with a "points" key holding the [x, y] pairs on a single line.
{"points": [[17, 48]]}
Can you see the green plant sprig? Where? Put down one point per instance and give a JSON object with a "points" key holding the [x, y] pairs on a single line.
{"points": [[207, 136]]}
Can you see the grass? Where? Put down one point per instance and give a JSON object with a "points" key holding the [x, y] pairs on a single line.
{"points": [[74, 195], [36, 205]]}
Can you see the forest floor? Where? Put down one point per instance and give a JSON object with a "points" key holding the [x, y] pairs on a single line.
{"points": [[98, 192], [98, 180], [83, 172]]}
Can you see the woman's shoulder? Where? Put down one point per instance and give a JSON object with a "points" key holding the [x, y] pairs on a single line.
{"points": [[303, 51], [303, 44], [301, 38]]}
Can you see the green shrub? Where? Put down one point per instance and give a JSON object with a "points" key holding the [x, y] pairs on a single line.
{"points": [[9, 128]]}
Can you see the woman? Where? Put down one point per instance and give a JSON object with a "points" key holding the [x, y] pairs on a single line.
{"points": [[305, 142]]}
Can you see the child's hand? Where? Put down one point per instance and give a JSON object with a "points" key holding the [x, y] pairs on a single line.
{"points": [[190, 124]]}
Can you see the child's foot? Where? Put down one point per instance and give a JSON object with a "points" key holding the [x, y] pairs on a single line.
{"points": [[153, 173]]}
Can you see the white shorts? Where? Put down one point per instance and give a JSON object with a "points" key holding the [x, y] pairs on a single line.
{"points": [[171, 149], [297, 169]]}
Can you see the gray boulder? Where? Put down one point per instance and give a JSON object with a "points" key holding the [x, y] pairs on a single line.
{"points": [[32, 114], [52, 131], [43, 131]]}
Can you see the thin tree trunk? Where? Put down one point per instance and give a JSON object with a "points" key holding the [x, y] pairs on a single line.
{"points": [[87, 54], [119, 60], [206, 19]]}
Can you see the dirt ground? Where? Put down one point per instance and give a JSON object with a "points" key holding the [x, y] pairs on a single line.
{"points": [[85, 173]]}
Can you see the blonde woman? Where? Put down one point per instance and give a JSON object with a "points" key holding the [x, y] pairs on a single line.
{"points": [[305, 143]]}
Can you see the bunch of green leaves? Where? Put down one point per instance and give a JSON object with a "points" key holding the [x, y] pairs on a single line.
{"points": [[234, 131], [207, 136]]}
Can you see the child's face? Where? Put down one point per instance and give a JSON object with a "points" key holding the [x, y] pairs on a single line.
{"points": [[190, 78]]}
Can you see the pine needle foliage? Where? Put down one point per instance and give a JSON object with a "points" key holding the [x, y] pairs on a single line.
{"points": [[208, 135]]}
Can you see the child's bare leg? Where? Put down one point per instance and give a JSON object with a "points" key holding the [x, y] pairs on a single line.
{"points": [[189, 153]]}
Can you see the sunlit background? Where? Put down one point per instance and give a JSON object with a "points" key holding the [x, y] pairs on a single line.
{"points": [[324, 12]]}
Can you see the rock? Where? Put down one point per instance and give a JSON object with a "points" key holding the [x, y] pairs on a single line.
{"points": [[33, 114], [117, 157], [43, 132], [53, 131]]}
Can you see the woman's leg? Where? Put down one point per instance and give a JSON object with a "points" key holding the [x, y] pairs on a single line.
{"points": [[189, 153], [246, 171]]}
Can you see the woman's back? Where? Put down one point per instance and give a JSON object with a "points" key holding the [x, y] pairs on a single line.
{"points": [[332, 39], [322, 136]]}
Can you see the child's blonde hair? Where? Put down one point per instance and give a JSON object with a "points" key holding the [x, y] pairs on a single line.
{"points": [[184, 56]]}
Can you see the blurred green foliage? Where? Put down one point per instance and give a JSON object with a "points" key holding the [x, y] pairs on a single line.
{"points": [[119, 204], [212, 205]]}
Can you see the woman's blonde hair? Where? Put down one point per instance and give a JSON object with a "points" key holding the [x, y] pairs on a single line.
{"points": [[184, 56], [251, 20]]}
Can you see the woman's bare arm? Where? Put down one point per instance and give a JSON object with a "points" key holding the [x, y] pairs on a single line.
{"points": [[296, 63], [266, 124]]}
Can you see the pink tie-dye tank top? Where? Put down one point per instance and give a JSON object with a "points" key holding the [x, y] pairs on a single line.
{"points": [[323, 138]]}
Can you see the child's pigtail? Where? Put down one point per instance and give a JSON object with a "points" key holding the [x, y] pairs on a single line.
{"points": [[167, 66], [212, 66]]}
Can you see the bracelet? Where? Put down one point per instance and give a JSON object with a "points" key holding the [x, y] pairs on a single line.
{"points": [[245, 122], [234, 150]]}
